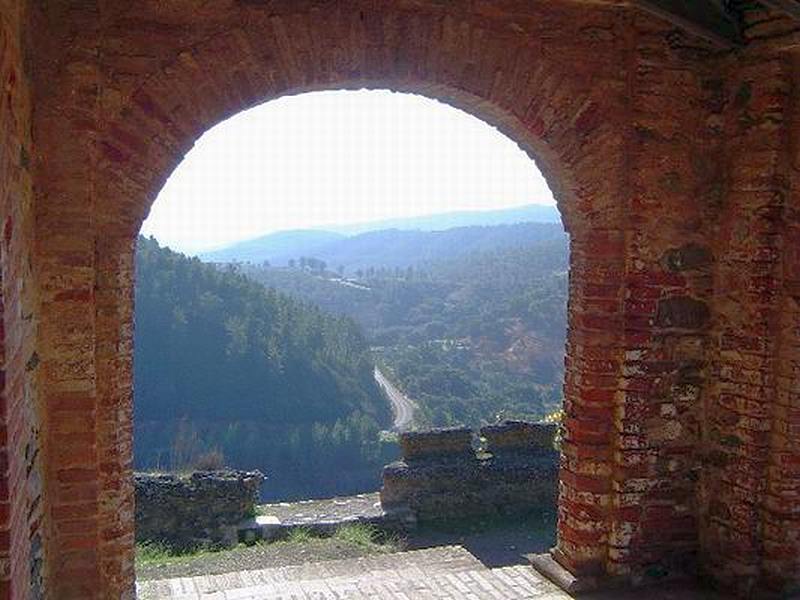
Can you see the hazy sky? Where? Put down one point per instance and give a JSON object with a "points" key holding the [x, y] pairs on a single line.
{"points": [[334, 158]]}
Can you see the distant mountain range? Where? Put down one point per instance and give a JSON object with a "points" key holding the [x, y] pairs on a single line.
{"points": [[530, 213], [400, 242], [269, 247]]}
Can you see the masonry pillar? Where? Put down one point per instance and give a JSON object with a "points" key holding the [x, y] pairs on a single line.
{"points": [[592, 365], [85, 351], [639, 318], [83, 278], [114, 362], [68, 400], [781, 509]]}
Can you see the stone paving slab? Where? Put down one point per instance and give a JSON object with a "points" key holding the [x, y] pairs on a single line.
{"points": [[329, 510], [446, 573], [323, 516]]}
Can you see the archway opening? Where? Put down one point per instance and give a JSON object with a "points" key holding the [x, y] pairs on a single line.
{"points": [[327, 271]]}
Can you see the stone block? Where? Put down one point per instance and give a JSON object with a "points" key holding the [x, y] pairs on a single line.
{"points": [[519, 436], [261, 527], [204, 509], [682, 312], [437, 444], [452, 484]]}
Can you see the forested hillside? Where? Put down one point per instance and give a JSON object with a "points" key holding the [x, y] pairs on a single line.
{"points": [[473, 337], [226, 367]]}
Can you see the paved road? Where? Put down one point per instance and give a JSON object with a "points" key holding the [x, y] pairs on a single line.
{"points": [[402, 406]]}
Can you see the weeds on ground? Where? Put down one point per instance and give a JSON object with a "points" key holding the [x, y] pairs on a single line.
{"points": [[369, 537], [149, 553], [300, 535]]}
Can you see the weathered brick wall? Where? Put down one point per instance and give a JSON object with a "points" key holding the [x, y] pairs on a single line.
{"points": [[750, 488], [199, 510], [167, 75], [673, 192], [639, 316], [559, 97], [441, 477], [87, 500], [673, 164]]}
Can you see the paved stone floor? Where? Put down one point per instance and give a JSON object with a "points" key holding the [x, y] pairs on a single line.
{"points": [[445, 573]]}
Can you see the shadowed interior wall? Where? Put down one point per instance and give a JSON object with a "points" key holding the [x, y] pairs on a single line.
{"points": [[750, 484], [20, 410]]}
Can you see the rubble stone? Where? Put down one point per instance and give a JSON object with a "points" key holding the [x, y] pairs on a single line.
{"points": [[520, 476], [199, 510]]}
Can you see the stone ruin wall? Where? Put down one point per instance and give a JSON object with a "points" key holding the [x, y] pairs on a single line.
{"points": [[200, 510], [442, 477]]}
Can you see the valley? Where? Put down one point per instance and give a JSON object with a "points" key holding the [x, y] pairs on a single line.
{"points": [[293, 366], [471, 336]]}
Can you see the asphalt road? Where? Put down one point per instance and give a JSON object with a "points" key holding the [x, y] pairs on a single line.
{"points": [[402, 406]]}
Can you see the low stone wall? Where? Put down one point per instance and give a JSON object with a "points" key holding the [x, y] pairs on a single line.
{"points": [[442, 476], [202, 509]]}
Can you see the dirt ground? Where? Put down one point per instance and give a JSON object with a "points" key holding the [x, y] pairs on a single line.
{"points": [[258, 556], [495, 542]]}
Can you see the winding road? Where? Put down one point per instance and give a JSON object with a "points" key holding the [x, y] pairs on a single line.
{"points": [[402, 406]]}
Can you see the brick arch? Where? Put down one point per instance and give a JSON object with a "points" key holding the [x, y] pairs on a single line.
{"points": [[557, 113], [620, 118], [119, 145], [566, 118]]}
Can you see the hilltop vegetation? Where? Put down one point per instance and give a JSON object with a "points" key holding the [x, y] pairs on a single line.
{"points": [[224, 366]]}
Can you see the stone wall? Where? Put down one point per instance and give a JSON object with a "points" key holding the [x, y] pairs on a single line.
{"points": [[202, 509], [441, 476]]}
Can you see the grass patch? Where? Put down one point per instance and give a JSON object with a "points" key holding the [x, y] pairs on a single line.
{"points": [[300, 535], [154, 553], [358, 535], [368, 537]]}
